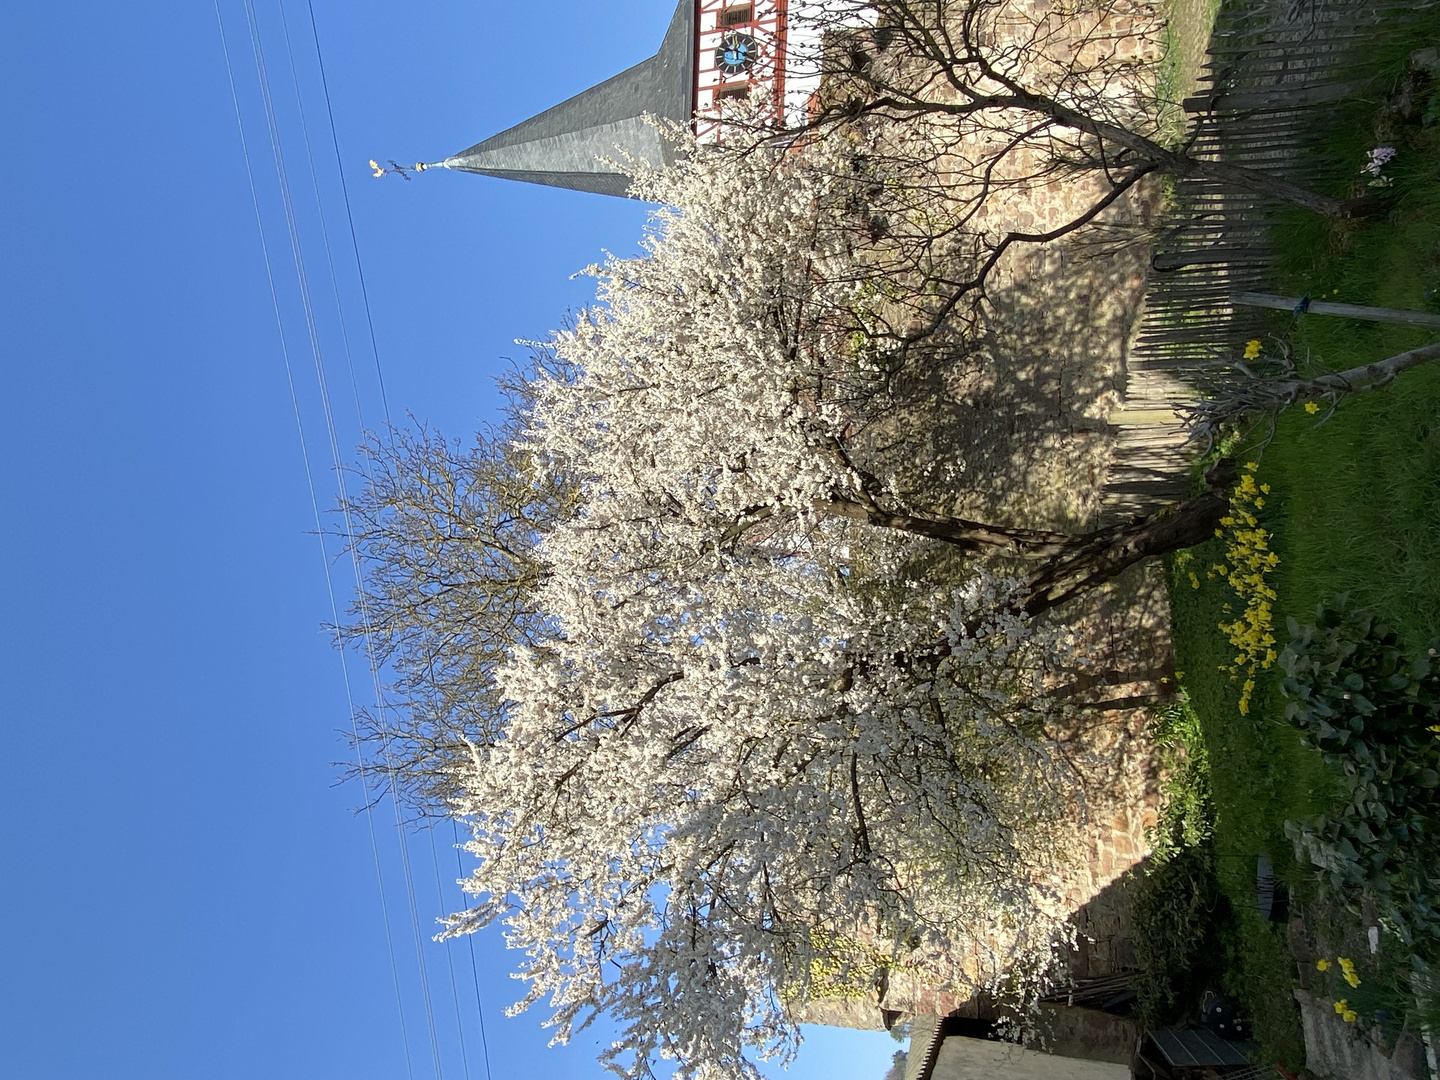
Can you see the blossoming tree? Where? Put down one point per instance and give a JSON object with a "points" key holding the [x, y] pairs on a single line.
{"points": [[716, 693]]}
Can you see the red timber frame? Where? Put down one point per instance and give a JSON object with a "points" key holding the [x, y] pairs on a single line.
{"points": [[766, 22]]}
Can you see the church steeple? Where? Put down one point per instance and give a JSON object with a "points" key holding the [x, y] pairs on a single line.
{"points": [[568, 146]]}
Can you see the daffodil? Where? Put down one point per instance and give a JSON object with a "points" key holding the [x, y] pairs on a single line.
{"points": [[1342, 1006], [1349, 1016], [1322, 965], [1252, 348], [1312, 407], [1248, 560]]}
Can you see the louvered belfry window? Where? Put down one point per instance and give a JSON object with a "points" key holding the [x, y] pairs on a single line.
{"points": [[737, 16]]}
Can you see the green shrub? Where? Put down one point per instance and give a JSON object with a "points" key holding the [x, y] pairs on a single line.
{"points": [[1178, 907], [1173, 928], [1187, 818], [1374, 713]]}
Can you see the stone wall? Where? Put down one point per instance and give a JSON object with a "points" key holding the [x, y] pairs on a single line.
{"points": [[1025, 415]]}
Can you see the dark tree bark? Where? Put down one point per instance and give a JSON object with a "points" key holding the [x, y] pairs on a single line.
{"points": [[1070, 565]]}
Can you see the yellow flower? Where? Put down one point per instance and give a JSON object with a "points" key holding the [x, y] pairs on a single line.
{"points": [[1194, 581], [1252, 465], [1352, 979], [1252, 349], [1312, 407], [1322, 965], [1342, 1006], [1349, 1016]]}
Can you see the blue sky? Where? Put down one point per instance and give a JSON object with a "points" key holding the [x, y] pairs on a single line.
{"points": [[184, 889]]}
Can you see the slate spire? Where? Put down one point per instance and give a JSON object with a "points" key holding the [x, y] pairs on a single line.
{"points": [[567, 146]]}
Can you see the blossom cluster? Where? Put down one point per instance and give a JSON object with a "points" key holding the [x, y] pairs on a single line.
{"points": [[755, 730], [1247, 566], [1375, 162], [1378, 159]]}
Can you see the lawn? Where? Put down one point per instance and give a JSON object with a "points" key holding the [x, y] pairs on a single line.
{"points": [[1354, 508]]}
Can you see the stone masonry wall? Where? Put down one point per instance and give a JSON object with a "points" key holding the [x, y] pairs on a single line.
{"points": [[1027, 417]]}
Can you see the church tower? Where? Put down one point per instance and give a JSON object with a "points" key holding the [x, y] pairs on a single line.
{"points": [[714, 51]]}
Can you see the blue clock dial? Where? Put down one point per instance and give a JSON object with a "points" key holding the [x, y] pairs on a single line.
{"points": [[737, 53]]}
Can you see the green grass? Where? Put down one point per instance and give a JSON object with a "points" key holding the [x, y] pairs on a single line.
{"points": [[1183, 40], [1355, 508], [1260, 776], [1361, 493], [1360, 501]]}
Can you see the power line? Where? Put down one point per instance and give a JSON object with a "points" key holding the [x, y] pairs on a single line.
{"points": [[349, 216], [375, 352], [365, 623], [449, 957], [470, 940], [315, 509], [297, 253], [282, 177], [324, 223]]}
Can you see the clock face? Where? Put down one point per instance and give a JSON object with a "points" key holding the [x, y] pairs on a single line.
{"points": [[737, 53]]}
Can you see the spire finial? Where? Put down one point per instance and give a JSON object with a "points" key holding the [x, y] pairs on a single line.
{"points": [[377, 170]]}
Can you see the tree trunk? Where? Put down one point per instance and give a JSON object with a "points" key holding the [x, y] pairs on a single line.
{"points": [[1260, 183], [1176, 164], [1271, 395], [1104, 555], [1363, 377], [1072, 564], [979, 537]]}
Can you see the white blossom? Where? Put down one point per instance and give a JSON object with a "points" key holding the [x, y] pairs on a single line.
{"points": [[755, 724]]}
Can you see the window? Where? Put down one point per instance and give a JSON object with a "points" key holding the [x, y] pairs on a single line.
{"points": [[737, 16], [733, 92]]}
